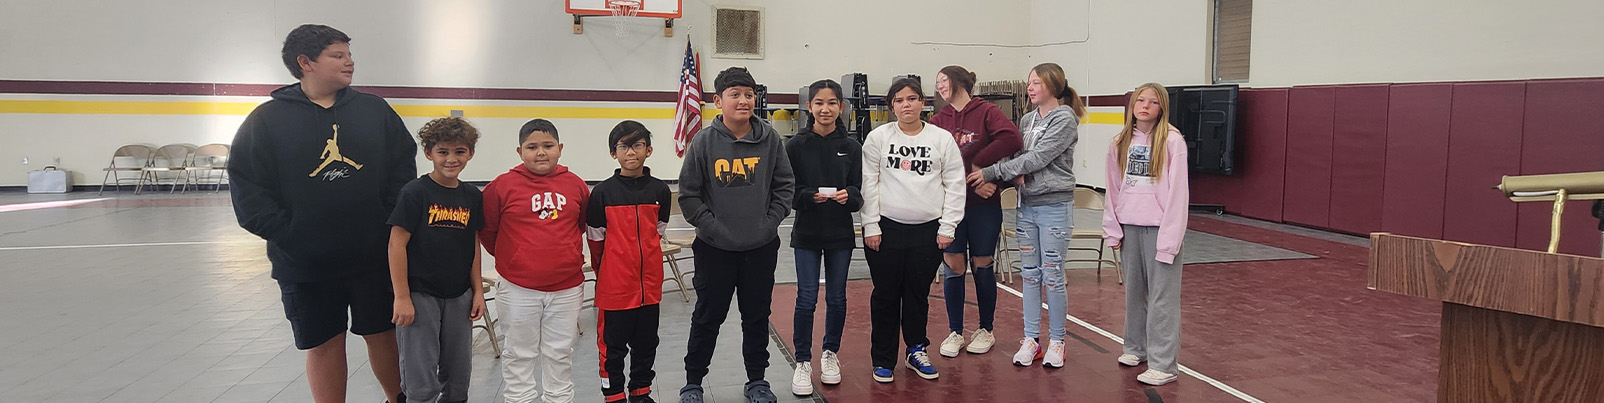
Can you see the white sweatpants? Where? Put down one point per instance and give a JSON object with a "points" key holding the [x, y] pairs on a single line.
{"points": [[540, 329]]}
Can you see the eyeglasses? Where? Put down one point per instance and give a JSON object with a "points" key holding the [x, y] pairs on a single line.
{"points": [[637, 147]]}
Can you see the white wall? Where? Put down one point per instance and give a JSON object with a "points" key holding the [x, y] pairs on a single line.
{"points": [[1117, 46], [467, 43], [529, 44], [1369, 41], [1304, 43]]}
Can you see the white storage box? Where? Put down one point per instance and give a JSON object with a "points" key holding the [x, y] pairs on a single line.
{"points": [[49, 180]]}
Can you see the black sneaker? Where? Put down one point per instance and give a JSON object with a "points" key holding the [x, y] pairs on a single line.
{"points": [[691, 394], [758, 392], [641, 399]]}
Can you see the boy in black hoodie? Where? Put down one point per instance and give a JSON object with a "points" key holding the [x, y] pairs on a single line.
{"points": [[829, 171], [321, 199], [735, 187]]}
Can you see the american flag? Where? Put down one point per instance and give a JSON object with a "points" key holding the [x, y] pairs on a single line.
{"points": [[688, 111]]}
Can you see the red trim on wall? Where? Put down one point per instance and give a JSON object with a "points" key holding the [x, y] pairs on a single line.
{"points": [[1427, 154], [203, 89], [1417, 160], [1559, 138], [1358, 158]]}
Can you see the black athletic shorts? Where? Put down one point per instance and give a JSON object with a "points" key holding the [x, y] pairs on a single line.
{"points": [[318, 311]]}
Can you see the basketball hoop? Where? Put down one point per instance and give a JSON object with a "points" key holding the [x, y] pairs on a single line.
{"points": [[623, 8]]}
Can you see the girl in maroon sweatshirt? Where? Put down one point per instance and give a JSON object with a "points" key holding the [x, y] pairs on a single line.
{"points": [[985, 136], [534, 227]]}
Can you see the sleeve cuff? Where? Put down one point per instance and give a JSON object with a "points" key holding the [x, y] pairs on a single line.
{"points": [[871, 229], [1165, 258]]}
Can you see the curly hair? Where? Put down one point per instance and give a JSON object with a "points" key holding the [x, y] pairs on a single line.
{"points": [[308, 40], [448, 130]]}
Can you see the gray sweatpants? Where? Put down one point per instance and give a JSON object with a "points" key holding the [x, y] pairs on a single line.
{"points": [[436, 349], [1152, 300]]}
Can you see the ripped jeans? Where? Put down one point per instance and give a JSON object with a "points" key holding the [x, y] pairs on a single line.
{"points": [[1043, 233]]}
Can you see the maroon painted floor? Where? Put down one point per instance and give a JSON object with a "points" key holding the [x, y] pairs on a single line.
{"points": [[1293, 330]]}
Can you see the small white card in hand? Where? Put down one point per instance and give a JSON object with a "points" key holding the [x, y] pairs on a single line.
{"points": [[827, 191]]}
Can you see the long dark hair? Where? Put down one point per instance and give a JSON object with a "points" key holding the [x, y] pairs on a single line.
{"points": [[813, 91]]}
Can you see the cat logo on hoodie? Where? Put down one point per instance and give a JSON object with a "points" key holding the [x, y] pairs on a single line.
{"points": [[735, 172], [549, 205]]}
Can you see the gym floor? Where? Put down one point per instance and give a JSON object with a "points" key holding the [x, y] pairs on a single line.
{"points": [[162, 298]]}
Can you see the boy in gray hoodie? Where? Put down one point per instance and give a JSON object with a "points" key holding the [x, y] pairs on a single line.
{"points": [[735, 187]]}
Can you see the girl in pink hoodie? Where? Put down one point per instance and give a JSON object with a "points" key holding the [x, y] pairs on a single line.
{"points": [[1144, 217]]}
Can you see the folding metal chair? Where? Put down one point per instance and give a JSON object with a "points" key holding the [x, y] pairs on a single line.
{"points": [[132, 158]]}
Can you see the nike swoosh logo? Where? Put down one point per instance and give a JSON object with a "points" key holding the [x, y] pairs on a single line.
{"points": [[840, 154]]}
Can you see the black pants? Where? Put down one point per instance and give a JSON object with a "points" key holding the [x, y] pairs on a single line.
{"points": [[630, 333], [721, 275], [902, 271]]}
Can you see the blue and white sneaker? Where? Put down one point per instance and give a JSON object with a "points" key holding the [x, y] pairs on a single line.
{"points": [[919, 362], [883, 375]]}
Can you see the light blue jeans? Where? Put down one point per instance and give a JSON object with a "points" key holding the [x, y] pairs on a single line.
{"points": [[1043, 233]]}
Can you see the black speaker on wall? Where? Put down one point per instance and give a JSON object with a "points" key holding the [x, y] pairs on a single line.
{"points": [[1206, 116]]}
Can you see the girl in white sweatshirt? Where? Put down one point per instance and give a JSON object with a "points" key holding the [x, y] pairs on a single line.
{"points": [[913, 199]]}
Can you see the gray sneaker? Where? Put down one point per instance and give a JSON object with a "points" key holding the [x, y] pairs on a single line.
{"points": [[690, 394], [756, 392]]}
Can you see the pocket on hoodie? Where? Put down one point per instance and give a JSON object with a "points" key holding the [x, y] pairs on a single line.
{"points": [[555, 258]]}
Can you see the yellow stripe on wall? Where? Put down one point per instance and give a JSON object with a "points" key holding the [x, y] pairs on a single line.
{"points": [[127, 107], [1104, 118]]}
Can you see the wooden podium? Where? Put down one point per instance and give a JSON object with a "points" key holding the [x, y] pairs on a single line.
{"points": [[1517, 325]]}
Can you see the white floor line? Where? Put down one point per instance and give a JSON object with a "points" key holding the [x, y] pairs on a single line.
{"points": [[122, 245], [1211, 381], [49, 204]]}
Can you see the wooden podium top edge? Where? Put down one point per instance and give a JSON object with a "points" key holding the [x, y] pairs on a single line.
{"points": [[1561, 287]]}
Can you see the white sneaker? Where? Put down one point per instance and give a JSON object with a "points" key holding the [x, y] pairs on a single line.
{"points": [[1029, 351], [830, 368], [1055, 355], [981, 342], [802, 380], [953, 344], [1156, 378], [1129, 360]]}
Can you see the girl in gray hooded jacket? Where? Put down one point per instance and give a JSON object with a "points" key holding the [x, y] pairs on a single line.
{"points": [[1044, 173]]}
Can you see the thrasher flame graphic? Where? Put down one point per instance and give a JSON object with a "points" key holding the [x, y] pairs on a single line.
{"points": [[449, 217]]}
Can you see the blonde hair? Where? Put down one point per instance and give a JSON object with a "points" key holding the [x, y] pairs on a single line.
{"points": [[1052, 77], [1161, 130]]}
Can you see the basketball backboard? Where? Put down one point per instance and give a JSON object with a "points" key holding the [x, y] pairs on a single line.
{"points": [[648, 8]]}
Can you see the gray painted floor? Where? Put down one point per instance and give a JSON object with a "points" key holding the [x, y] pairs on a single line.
{"points": [[162, 298]]}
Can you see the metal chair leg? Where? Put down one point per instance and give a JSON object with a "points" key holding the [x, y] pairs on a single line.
{"points": [[1101, 244], [489, 325], [673, 264]]}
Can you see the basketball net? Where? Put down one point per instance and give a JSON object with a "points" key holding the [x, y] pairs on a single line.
{"points": [[623, 8]]}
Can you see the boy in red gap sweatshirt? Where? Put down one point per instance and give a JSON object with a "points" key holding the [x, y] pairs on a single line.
{"points": [[626, 218], [534, 223]]}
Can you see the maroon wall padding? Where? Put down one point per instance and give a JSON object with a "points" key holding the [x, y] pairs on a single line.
{"points": [[1484, 143], [1417, 159], [1214, 189], [1561, 135], [1261, 159], [1358, 158], [1310, 119]]}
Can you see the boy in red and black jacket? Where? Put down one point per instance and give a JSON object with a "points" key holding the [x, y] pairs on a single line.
{"points": [[626, 218]]}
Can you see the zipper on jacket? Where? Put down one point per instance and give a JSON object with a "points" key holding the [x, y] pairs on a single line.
{"points": [[640, 248]]}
